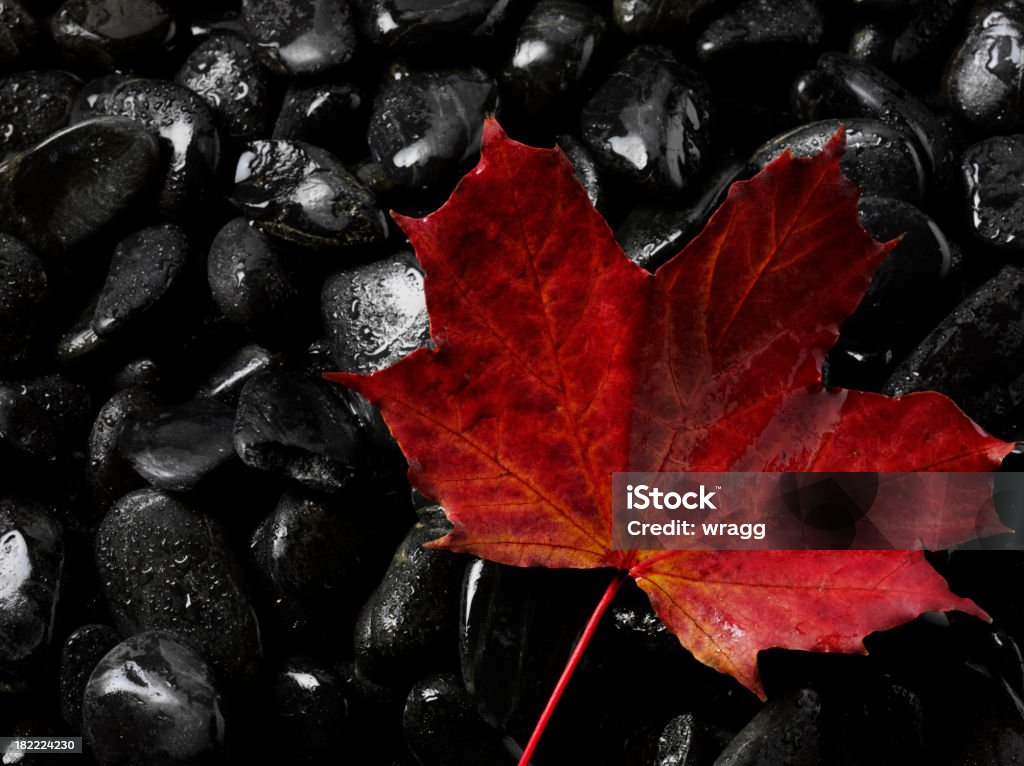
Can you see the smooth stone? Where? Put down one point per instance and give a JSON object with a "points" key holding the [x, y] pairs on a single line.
{"points": [[225, 72], [187, 132], [308, 707], [145, 372], [408, 626], [177, 448], [983, 83], [77, 182], [556, 49], [152, 701], [42, 417], [33, 105], [872, 43], [80, 344], [648, 124], [110, 475], [686, 741], [420, 25], [226, 382], [376, 313], [303, 194], [651, 234], [780, 31], [648, 19], [300, 37], [83, 649], [164, 566], [31, 566], [18, 31], [250, 279], [841, 87], [145, 268], [788, 729], [881, 160], [857, 366], [992, 172], [426, 126], [586, 169], [112, 34], [24, 293], [325, 115], [299, 427], [438, 712], [973, 356], [925, 40], [912, 288], [92, 97]]}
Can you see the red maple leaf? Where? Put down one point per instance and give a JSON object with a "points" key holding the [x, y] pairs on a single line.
{"points": [[558, 361]]}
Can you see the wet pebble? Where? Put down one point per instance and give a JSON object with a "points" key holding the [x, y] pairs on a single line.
{"points": [[177, 448], [153, 700], [309, 709], [686, 741], [426, 126], [226, 382], [225, 72], [18, 31], [419, 25], [992, 171], [110, 34], [325, 115], [83, 649], [299, 427], [300, 37], [374, 314], [648, 125], [77, 182], [647, 19], [585, 167], [303, 194], [556, 49], [163, 565], [23, 296], [788, 729], [755, 30], [144, 269], [33, 105], [110, 475]]}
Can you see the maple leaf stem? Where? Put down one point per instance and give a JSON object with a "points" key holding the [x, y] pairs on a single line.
{"points": [[570, 666]]}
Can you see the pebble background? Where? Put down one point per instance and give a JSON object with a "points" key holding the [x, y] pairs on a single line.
{"points": [[209, 555]]}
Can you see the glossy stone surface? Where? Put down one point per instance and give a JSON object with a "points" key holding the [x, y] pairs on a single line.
{"points": [[416, 25], [226, 382], [881, 160], [983, 81], [300, 37], [788, 729], [648, 123], [23, 295], [109, 34], [325, 115], [31, 563], [250, 278], [82, 652], [756, 29], [308, 708], [77, 182], [41, 417], [225, 72], [303, 194], [144, 269], [188, 135], [165, 566], [152, 700], [585, 167], [556, 48], [374, 314], [300, 427], [409, 623], [992, 173], [426, 126], [110, 475], [972, 356], [685, 741], [652, 18], [437, 712], [33, 105], [178, 447]]}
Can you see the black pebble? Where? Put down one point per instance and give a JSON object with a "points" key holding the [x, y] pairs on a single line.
{"points": [[42, 417], [179, 447], [110, 475], [788, 730], [686, 741], [166, 566], [299, 427], [992, 172], [110, 34], [23, 296], [225, 72], [18, 31], [143, 271], [303, 194], [426, 126], [300, 37], [226, 382], [307, 707], [77, 182], [325, 115], [82, 652], [648, 124], [374, 314], [33, 105], [782, 31], [152, 700], [420, 25]]}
